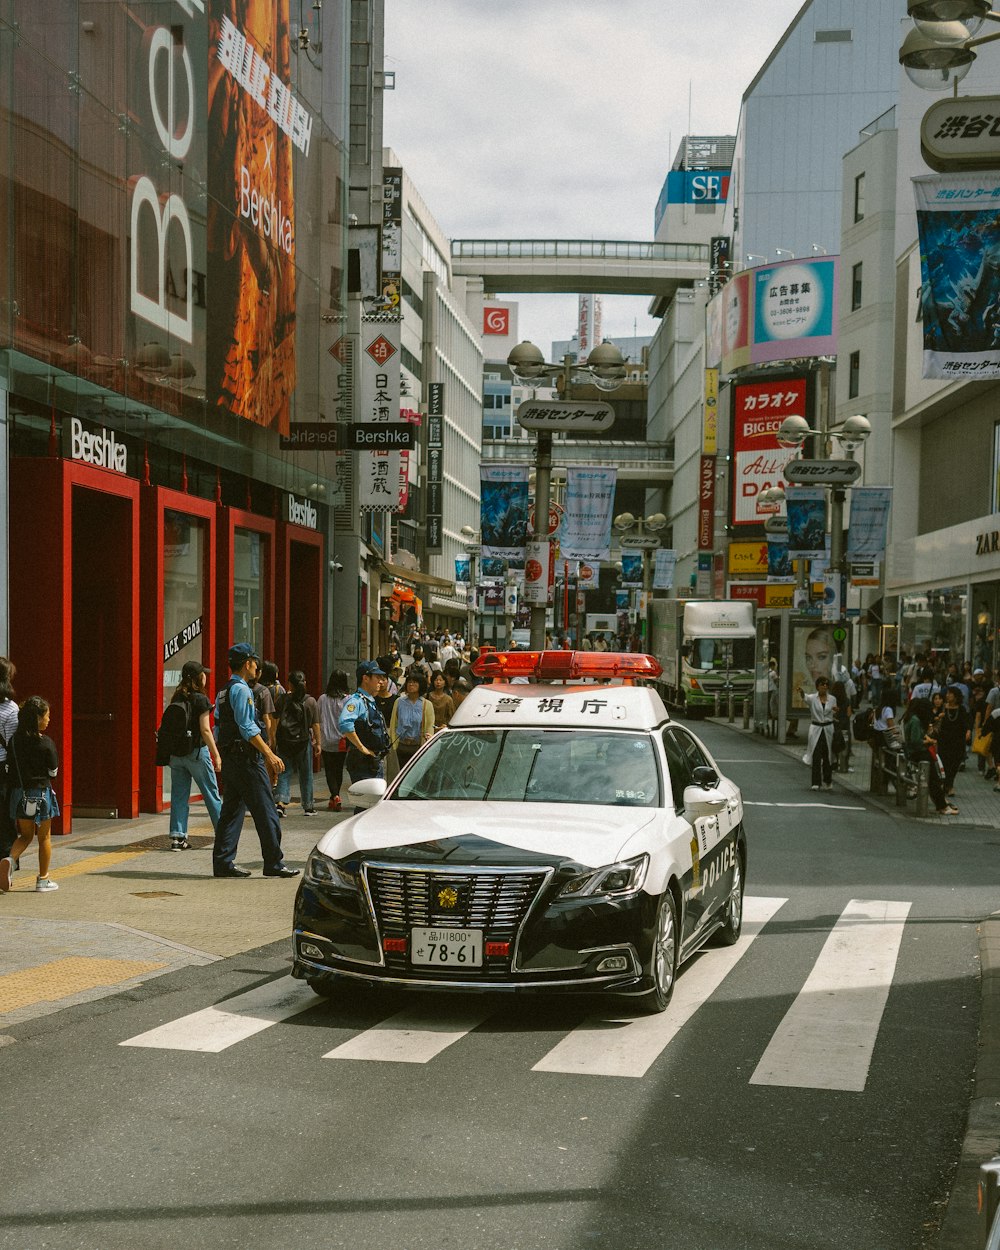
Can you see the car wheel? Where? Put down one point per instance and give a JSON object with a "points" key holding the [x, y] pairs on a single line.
{"points": [[326, 987], [663, 956], [732, 911]]}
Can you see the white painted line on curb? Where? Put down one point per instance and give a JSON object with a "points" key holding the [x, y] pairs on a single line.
{"points": [[236, 1019], [827, 1037], [162, 941], [830, 807], [629, 1047], [412, 1036]]}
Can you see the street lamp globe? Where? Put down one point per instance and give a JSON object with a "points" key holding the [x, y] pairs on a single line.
{"points": [[624, 521], [854, 432], [773, 494], [607, 366], [526, 360], [793, 432], [937, 55], [971, 13], [656, 521], [468, 532]]}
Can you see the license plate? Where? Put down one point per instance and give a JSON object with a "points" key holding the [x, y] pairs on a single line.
{"points": [[447, 948]]}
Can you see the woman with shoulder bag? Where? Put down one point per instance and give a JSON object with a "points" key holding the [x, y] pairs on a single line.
{"points": [[412, 720], [953, 735], [333, 747], [8, 725], [32, 801]]}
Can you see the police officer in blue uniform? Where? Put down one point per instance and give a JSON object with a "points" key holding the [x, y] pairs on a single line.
{"points": [[363, 725], [248, 769]]}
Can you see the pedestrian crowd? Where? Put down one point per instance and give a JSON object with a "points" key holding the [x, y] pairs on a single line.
{"points": [[921, 709]]}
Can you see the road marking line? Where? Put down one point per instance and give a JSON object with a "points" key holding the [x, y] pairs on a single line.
{"points": [[629, 1047], [409, 1037], [217, 1028], [828, 807], [828, 1034]]}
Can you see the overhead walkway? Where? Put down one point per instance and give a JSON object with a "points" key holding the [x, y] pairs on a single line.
{"points": [[591, 266], [651, 462]]}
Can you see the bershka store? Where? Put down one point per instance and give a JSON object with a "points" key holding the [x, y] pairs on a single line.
{"points": [[128, 559]]}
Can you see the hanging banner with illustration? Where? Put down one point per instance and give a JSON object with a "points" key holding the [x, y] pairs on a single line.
{"points": [[631, 568], [463, 569], [869, 526], [779, 559], [585, 529], [958, 221], [503, 496], [806, 510], [663, 569]]}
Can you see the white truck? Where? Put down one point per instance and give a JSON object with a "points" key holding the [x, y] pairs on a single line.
{"points": [[705, 647]]}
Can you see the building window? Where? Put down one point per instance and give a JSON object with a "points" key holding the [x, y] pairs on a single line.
{"points": [[859, 197], [856, 287], [854, 375]]}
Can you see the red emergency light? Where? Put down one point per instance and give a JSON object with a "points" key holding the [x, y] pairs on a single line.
{"points": [[566, 665]]}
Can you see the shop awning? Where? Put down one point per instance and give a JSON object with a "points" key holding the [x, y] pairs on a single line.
{"points": [[414, 577]]}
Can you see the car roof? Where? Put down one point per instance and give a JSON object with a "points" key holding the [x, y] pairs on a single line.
{"points": [[557, 706]]}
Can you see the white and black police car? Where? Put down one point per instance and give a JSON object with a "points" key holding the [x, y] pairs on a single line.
{"points": [[554, 837]]}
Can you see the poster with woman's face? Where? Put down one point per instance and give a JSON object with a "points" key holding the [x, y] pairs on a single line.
{"points": [[813, 651]]}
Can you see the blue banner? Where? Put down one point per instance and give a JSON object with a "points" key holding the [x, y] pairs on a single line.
{"points": [[503, 510], [779, 559], [631, 568], [805, 507], [585, 529], [462, 569]]}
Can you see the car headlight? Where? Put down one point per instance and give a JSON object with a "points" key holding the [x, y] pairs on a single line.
{"points": [[322, 870], [615, 880]]}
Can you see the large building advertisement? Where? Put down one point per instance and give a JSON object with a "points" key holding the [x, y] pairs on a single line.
{"points": [[165, 215]]}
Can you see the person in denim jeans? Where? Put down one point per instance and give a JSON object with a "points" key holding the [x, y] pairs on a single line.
{"points": [[200, 765], [298, 742], [33, 802]]}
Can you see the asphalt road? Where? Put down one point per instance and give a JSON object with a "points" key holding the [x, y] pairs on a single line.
{"points": [[439, 1131]]}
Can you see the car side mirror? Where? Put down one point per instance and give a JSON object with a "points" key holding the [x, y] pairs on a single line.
{"points": [[685, 651], [705, 777], [702, 801], [367, 791]]}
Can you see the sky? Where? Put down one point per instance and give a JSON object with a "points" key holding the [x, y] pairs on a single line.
{"points": [[546, 119]]}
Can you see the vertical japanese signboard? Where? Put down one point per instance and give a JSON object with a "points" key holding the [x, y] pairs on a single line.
{"points": [[710, 421], [392, 237], [706, 504], [758, 462], [379, 471], [435, 464]]}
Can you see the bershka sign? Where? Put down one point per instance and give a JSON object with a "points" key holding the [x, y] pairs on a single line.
{"points": [[303, 513], [401, 436], [99, 448]]}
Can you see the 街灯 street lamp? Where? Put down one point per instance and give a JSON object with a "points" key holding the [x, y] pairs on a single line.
{"points": [[938, 52], [606, 367], [852, 433], [646, 542]]}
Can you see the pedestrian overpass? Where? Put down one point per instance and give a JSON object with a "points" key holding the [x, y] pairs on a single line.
{"points": [[580, 266]]}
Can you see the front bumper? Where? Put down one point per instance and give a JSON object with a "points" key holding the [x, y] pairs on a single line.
{"points": [[561, 946]]}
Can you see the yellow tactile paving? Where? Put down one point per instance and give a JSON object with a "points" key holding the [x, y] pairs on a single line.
{"points": [[60, 978], [92, 863]]}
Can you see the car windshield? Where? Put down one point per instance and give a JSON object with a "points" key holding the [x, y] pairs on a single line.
{"points": [[536, 766]]}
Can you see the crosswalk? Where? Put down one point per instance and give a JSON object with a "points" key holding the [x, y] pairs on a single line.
{"points": [[824, 1041]]}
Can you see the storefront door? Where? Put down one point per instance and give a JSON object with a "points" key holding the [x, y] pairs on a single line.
{"points": [[300, 622], [246, 586]]}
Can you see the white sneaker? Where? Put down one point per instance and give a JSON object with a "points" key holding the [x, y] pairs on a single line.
{"points": [[814, 787], [43, 885]]}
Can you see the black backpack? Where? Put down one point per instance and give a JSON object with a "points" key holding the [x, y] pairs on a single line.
{"points": [[174, 736], [293, 731], [862, 725]]}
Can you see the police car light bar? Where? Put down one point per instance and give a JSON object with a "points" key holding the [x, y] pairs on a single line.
{"points": [[565, 665]]}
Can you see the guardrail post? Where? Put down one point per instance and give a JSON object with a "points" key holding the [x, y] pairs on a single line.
{"points": [[902, 783], [718, 698], [922, 786], [877, 783], [746, 713], [731, 708]]}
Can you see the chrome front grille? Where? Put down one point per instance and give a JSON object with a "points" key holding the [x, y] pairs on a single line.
{"points": [[492, 900]]}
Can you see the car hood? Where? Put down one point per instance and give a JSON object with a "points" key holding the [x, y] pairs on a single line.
{"points": [[497, 833]]}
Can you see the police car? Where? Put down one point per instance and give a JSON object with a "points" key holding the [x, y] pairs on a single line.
{"points": [[554, 837]]}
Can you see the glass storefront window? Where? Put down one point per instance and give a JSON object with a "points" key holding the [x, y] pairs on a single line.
{"points": [[184, 539], [935, 621], [248, 588]]}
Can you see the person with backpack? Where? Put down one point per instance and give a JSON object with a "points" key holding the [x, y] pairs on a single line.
{"points": [[297, 738], [33, 803], [186, 744]]}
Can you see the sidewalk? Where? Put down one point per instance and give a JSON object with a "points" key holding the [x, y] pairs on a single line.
{"points": [[128, 908], [979, 807]]}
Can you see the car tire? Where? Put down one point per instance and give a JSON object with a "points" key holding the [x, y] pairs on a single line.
{"points": [[664, 956], [732, 909], [324, 986]]}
